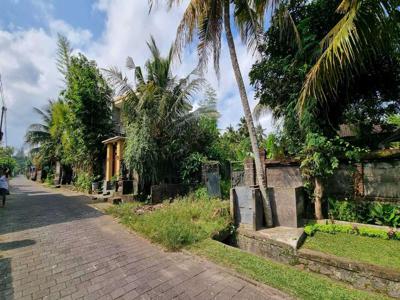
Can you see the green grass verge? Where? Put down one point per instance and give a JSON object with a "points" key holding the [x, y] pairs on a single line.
{"points": [[190, 222], [359, 248], [184, 222], [301, 284]]}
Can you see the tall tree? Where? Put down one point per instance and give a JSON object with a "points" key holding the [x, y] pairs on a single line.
{"points": [[88, 97], [39, 137], [205, 22], [159, 117]]}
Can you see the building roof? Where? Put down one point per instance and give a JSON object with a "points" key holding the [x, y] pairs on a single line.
{"points": [[113, 139]]}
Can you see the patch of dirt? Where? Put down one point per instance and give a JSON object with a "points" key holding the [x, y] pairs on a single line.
{"points": [[147, 208]]}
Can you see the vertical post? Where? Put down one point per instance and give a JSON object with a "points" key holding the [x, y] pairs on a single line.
{"points": [[118, 158], [109, 162]]}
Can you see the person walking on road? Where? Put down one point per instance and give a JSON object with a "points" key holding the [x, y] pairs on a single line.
{"points": [[4, 185]]}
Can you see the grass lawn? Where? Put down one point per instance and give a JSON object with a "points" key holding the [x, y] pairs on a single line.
{"points": [[363, 249], [301, 284]]}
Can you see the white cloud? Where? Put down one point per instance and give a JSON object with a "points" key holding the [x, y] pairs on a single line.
{"points": [[77, 36], [28, 58], [29, 77], [128, 28]]}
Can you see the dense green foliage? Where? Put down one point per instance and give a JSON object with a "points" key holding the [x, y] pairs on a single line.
{"points": [[184, 222], [362, 101], [88, 98], [7, 161], [299, 283], [278, 77], [365, 212], [381, 252], [162, 128], [39, 137], [321, 156], [73, 127], [83, 181], [22, 162]]}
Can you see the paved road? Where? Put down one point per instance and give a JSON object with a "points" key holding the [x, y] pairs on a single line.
{"points": [[54, 246]]}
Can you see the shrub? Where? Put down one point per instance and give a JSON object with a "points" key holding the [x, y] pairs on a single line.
{"points": [[83, 182], [191, 168], [310, 230], [225, 188], [365, 212], [49, 178], [201, 193]]}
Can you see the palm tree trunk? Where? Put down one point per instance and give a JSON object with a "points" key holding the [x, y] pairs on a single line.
{"points": [[318, 194], [261, 178]]}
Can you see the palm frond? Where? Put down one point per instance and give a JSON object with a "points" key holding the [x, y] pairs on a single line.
{"points": [[63, 54], [120, 82], [361, 34]]}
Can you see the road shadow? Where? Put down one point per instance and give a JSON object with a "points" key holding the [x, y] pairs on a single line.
{"points": [[16, 244], [32, 206], [6, 286]]}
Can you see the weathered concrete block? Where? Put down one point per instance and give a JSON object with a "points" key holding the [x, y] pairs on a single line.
{"points": [[212, 179], [247, 207], [280, 176], [287, 206]]}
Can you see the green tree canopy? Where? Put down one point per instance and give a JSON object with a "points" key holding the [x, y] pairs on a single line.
{"points": [[279, 75], [87, 115]]}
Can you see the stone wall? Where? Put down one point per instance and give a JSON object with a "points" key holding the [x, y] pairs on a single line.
{"points": [[359, 275], [252, 242], [376, 180], [381, 180]]}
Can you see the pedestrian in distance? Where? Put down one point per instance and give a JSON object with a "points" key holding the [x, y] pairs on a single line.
{"points": [[4, 185]]}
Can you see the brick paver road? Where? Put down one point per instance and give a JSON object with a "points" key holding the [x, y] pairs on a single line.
{"points": [[54, 246]]}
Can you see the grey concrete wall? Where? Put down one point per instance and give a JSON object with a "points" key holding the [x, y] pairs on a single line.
{"points": [[382, 179], [342, 184], [373, 180]]}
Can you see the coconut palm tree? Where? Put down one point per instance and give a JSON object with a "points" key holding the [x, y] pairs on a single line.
{"points": [[38, 134], [157, 112], [205, 21]]}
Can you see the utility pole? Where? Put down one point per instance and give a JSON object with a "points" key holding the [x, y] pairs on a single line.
{"points": [[3, 110]]}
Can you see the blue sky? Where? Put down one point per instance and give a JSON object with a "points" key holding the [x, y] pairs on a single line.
{"points": [[105, 30], [27, 14]]}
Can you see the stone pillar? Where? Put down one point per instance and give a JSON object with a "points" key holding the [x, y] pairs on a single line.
{"points": [[109, 162], [249, 172]]}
